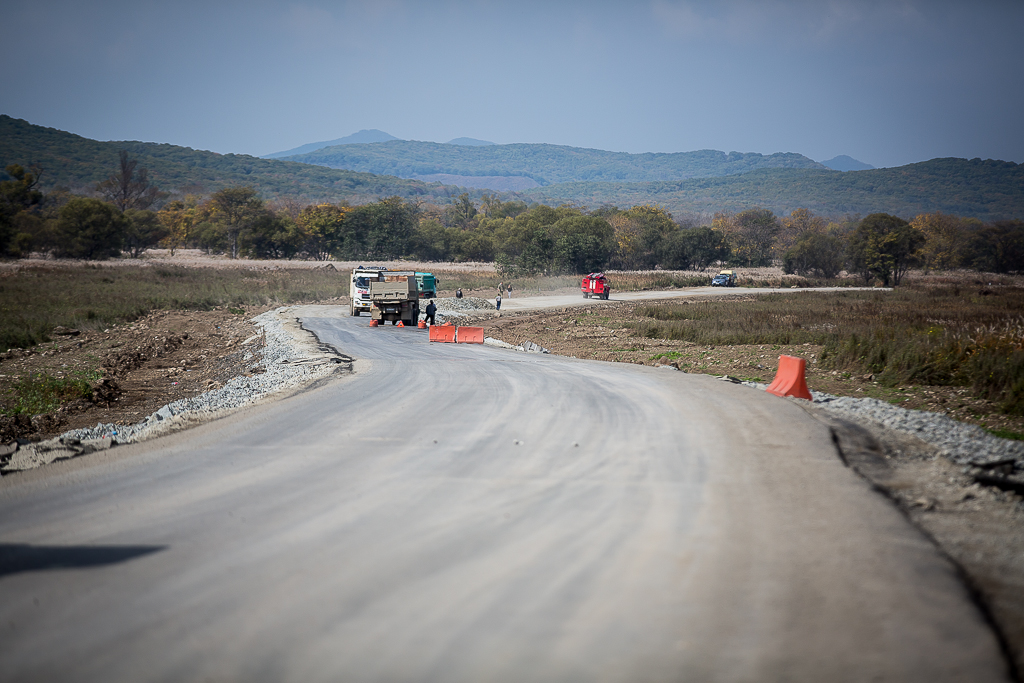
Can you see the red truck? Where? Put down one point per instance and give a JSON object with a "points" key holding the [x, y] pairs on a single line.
{"points": [[595, 284]]}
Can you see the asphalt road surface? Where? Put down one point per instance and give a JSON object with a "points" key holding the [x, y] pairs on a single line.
{"points": [[463, 513], [534, 303]]}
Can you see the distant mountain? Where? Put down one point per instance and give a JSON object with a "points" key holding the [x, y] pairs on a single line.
{"points": [[543, 164], [79, 163], [361, 138], [988, 190], [845, 163], [470, 142]]}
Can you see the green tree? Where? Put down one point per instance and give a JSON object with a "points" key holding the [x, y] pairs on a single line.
{"points": [[143, 230], [884, 247], [129, 186], [817, 254], [90, 229], [581, 244], [235, 210], [461, 212], [273, 236], [18, 197], [756, 230], [381, 230], [998, 248]]}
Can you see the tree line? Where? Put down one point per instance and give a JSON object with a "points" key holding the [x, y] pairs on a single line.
{"points": [[128, 215]]}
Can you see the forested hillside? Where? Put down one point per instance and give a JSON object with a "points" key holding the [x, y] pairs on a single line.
{"points": [[545, 164], [79, 163], [988, 190]]}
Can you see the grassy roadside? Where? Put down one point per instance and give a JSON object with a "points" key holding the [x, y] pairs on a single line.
{"points": [[934, 335], [37, 300]]}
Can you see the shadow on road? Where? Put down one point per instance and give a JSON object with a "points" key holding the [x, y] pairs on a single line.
{"points": [[22, 557]]}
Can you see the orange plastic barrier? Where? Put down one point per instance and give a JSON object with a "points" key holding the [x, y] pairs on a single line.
{"points": [[442, 333], [374, 323], [789, 380], [422, 324], [470, 335]]}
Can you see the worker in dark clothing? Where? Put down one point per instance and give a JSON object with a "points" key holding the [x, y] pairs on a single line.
{"points": [[431, 310], [458, 293]]}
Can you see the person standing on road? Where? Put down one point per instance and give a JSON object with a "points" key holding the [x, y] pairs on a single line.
{"points": [[510, 290], [500, 287], [431, 310], [497, 303], [458, 293]]}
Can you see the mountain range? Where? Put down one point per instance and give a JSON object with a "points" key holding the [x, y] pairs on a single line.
{"points": [[550, 174]]}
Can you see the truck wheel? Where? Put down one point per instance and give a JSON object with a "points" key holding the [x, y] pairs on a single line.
{"points": [[356, 312], [585, 295], [605, 297]]}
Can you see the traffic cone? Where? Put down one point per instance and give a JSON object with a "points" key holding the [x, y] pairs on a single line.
{"points": [[789, 380], [401, 324]]}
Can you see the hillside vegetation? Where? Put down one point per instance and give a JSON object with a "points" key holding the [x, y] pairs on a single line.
{"points": [[79, 163], [545, 164], [987, 190]]}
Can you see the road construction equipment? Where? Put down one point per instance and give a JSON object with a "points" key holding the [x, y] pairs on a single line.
{"points": [[394, 296]]}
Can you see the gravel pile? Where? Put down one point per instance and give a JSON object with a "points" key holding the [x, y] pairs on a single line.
{"points": [[962, 443], [284, 370], [452, 310]]}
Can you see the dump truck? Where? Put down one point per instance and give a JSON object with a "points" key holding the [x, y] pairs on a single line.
{"points": [[395, 296], [360, 288], [427, 284], [595, 284]]}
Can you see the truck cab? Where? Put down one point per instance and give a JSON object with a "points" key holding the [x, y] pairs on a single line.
{"points": [[359, 291]]}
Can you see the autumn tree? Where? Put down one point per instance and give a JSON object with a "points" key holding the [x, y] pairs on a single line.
{"points": [[179, 218], [323, 227], [947, 238], [129, 186]]}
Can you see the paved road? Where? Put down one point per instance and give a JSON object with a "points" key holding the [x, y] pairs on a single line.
{"points": [[533, 303], [463, 513]]}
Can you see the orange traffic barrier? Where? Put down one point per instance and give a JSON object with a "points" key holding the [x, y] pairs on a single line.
{"points": [[789, 380], [374, 323], [400, 324], [442, 333], [422, 325], [470, 335]]}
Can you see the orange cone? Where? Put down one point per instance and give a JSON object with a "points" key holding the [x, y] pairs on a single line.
{"points": [[400, 324], [789, 380]]}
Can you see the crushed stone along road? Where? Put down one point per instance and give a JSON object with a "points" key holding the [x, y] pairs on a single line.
{"points": [[459, 513]]}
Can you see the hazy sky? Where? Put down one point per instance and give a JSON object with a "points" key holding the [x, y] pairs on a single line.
{"points": [[887, 82]]}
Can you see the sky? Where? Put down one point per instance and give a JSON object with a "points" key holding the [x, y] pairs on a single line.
{"points": [[888, 82]]}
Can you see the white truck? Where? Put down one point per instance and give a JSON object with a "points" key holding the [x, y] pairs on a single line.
{"points": [[360, 290]]}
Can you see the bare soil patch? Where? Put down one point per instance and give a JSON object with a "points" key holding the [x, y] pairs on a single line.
{"points": [[157, 359]]}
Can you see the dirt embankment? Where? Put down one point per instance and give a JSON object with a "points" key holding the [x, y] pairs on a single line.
{"points": [[163, 357]]}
